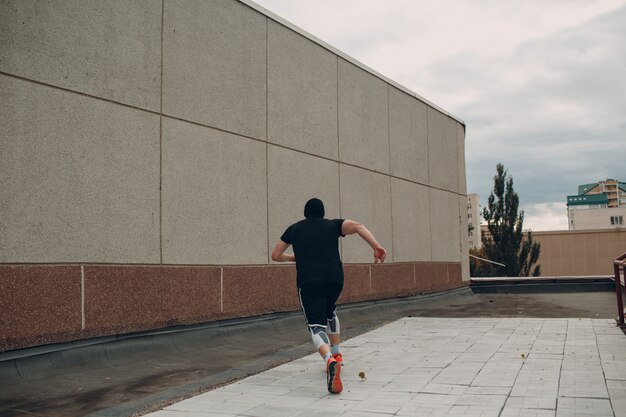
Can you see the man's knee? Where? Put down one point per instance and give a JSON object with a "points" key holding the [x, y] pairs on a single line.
{"points": [[333, 324], [319, 336]]}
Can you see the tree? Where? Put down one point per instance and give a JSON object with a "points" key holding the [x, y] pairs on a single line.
{"points": [[506, 242]]}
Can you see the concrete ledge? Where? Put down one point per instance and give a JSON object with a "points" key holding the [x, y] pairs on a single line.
{"points": [[542, 284], [481, 280]]}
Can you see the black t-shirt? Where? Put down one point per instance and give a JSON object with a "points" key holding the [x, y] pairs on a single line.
{"points": [[315, 243]]}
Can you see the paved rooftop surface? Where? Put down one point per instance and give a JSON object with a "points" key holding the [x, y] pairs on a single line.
{"points": [[444, 367], [147, 372]]}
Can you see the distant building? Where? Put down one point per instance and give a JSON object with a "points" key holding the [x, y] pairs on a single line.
{"points": [[473, 221], [600, 205], [579, 252]]}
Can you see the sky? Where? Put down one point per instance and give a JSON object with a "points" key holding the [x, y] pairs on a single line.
{"points": [[540, 84]]}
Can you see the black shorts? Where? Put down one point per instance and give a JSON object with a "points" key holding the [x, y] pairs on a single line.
{"points": [[318, 299]]}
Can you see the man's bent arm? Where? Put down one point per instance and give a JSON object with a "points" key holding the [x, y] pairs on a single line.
{"points": [[279, 255], [350, 227]]}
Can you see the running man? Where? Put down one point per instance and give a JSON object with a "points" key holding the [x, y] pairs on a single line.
{"points": [[315, 242]]}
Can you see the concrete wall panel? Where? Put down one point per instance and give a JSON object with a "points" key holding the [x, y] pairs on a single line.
{"points": [[79, 178], [366, 198], [250, 291], [445, 229], [294, 178], [214, 196], [430, 277], [408, 136], [38, 304], [107, 49], [393, 280], [455, 275], [363, 119], [357, 285], [411, 221], [302, 93], [460, 132], [443, 169], [214, 65], [132, 298]]}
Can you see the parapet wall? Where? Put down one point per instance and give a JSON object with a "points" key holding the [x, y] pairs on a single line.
{"points": [[152, 153]]}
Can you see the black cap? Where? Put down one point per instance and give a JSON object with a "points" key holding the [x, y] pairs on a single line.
{"points": [[314, 208]]}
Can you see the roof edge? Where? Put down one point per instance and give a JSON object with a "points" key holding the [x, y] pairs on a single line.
{"points": [[345, 56]]}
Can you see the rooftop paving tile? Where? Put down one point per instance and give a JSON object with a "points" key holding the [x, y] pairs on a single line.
{"points": [[501, 367]]}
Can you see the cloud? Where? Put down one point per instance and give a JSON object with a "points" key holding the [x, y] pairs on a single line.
{"points": [[555, 117], [540, 85], [546, 216]]}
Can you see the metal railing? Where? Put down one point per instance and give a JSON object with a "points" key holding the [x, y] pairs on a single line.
{"points": [[486, 260], [620, 262]]}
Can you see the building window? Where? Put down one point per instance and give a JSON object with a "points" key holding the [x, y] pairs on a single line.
{"points": [[617, 220]]}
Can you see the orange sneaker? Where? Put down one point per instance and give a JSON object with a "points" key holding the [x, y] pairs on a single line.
{"points": [[333, 370], [338, 358]]}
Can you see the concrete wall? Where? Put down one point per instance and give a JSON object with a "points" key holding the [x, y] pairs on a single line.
{"points": [[152, 153], [579, 253], [599, 218]]}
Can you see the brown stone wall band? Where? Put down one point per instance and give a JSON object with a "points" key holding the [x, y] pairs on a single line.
{"points": [[43, 304]]}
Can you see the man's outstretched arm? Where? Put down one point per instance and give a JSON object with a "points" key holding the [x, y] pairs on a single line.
{"points": [[279, 255], [350, 227]]}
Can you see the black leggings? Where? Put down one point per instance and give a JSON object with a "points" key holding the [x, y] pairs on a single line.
{"points": [[318, 300]]}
